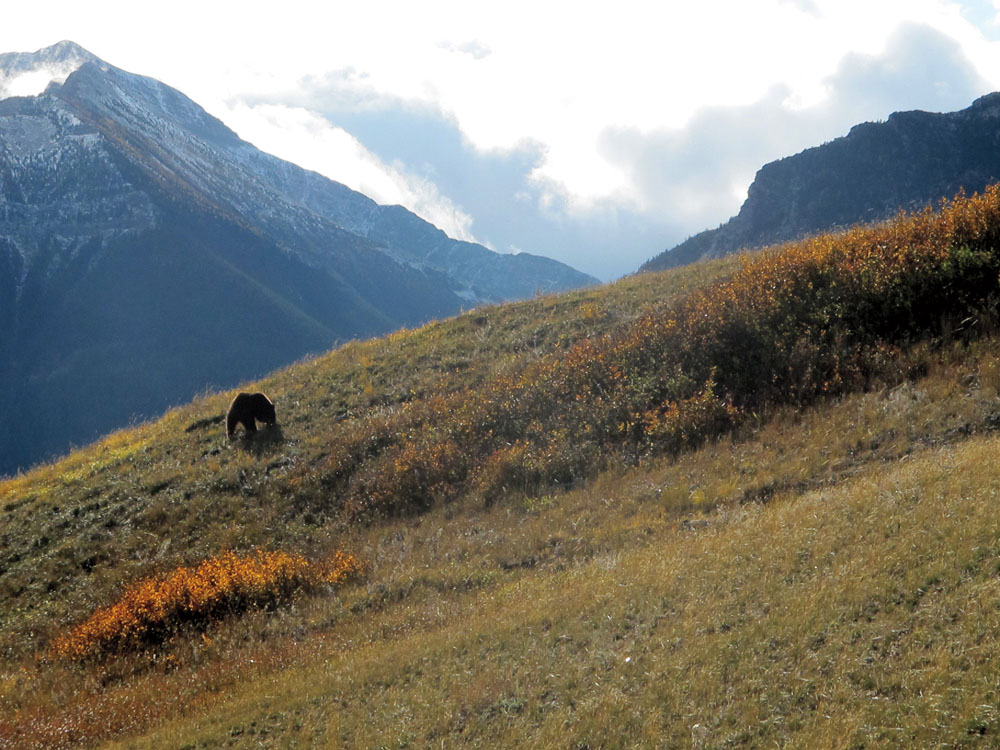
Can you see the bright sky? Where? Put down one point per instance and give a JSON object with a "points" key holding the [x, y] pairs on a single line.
{"points": [[596, 133]]}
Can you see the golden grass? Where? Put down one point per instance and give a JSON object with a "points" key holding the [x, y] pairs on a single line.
{"points": [[859, 616], [809, 568], [510, 625]]}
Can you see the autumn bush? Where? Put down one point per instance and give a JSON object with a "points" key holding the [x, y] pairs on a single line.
{"points": [[820, 317], [225, 584]]}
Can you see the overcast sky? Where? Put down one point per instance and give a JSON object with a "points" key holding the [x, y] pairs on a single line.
{"points": [[595, 133]]}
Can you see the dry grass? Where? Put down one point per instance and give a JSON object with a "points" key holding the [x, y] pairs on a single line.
{"points": [[821, 575], [744, 582], [859, 616]]}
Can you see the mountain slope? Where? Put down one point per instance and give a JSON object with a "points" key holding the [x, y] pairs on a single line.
{"points": [[482, 274], [147, 253], [800, 551], [912, 160]]}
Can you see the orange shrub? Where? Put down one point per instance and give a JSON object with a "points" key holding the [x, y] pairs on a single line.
{"points": [[678, 425], [822, 316], [221, 585]]}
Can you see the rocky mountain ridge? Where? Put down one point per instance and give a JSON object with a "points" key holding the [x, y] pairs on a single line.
{"points": [[911, 160]]}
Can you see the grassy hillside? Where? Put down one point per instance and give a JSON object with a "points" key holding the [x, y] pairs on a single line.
{"points": [[740, 504]]}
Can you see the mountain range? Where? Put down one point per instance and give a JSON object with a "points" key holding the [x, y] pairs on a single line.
{"points": [[911, 160], [148, 253]]}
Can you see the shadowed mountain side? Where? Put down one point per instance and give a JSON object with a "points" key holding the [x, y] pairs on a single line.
{"points": [[148, 253], [481, 273], [180, 308]]}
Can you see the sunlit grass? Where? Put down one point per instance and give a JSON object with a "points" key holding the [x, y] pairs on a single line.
{"points": [[476, 583], [710, 507], [855, 615]]}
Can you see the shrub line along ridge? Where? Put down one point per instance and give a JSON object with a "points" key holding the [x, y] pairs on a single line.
{"points": [[819, 317]]}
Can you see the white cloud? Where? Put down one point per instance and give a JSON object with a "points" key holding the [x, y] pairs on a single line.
{"points": [[34, 82], [476, 49], [302, 137]]}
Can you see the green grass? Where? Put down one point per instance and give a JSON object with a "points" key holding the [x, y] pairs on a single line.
{"points": [[821, 573]]}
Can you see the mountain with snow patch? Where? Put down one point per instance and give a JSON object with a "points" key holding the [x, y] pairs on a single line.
{"points": [[148, 253]]}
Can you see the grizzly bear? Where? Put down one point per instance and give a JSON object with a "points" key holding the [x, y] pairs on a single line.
{"points": [[248, 409]]}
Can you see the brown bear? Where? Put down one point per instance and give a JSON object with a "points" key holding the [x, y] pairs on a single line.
{"points": [[248, 409]]}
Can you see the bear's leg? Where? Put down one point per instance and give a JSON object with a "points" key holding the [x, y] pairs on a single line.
{"points": [[251, 424]]}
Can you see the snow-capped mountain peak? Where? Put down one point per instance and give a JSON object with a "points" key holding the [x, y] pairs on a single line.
{"points": [[30, 73]]}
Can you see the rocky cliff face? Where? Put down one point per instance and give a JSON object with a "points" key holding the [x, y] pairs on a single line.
{"points": [[912, 160], [147, 253]]}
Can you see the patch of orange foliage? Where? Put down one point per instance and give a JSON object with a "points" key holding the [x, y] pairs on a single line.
{"points": [[820, 317], [226, 584]]}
